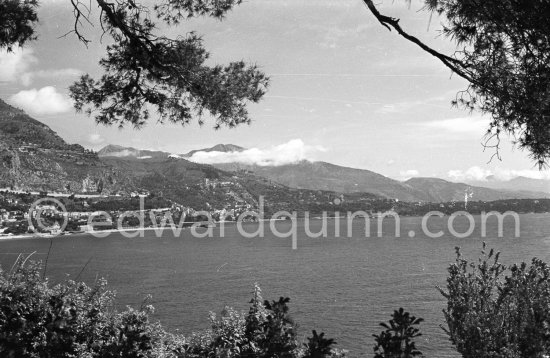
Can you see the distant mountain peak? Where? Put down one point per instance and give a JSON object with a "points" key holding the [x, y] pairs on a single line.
{"points": [[113, 150], [109, 148], [225, 148]]}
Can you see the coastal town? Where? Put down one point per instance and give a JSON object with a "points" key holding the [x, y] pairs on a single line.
{"points": [[86, 213], [81, 213]]}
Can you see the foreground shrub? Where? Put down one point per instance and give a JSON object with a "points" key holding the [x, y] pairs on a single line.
{"points": [[498, 311], [318, 346], [266, 331], [74, 320], [71, 320], [397, 340]]}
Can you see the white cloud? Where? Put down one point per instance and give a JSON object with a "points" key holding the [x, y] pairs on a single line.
{"points": [[473, 173], [291, 152], [43, 101], [28, 77], [475, 125], [335, 35], [124, 153], [407, 106], [15, 64], [407, 174], [95, 139], [479, 174]]}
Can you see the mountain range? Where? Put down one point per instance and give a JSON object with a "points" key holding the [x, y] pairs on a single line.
{"points": [[326, 176], [520, 182], [33, 157], [335, 178]]}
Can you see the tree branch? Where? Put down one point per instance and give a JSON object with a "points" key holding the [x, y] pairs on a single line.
{"points": [[454, 64]]}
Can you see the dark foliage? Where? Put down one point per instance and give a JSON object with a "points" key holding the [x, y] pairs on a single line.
{"points": [[279, 330], [318, 346], [17, 21], [397, 340], [70, 319], [503, 51], [145, 70], [498, 311]]}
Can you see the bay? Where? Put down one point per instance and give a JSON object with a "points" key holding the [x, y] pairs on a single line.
{"points": [[343, 286]]}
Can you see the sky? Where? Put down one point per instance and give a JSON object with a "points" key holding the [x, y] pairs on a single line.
{"points": [[343, 90]]}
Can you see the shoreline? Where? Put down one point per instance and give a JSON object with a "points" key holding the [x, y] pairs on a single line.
{"points": [[71, 234], [109, 231], [172, 228]]}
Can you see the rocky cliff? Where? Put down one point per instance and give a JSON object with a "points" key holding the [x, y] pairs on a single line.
{"points": [[35, 158]]}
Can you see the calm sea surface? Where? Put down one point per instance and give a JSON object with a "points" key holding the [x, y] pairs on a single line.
{"points": [[342, 286]]}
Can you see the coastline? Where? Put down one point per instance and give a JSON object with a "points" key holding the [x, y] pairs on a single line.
{"points": [[130, 230], [71, 234]]}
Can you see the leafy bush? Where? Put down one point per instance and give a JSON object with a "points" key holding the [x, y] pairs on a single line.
{"points": [[498, 311], [396, 341], [71, 319], [318, 346], [266, 331]]}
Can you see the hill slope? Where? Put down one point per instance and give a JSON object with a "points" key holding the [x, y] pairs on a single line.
{"points": [[518, 184], [440, 190], [326, 176], [334, 178], [206, 187], [33, 157]]}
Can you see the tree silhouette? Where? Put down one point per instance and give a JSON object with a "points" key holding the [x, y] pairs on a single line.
{"points": [[318, 346], [503, 51], [397, 340], [145, 70], [17, 19]]}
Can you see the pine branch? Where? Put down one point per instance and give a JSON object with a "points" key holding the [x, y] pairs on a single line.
{"points": [[454, 64]]}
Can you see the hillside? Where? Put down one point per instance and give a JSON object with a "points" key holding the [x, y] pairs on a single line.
{"points": [[326, 176], [518, 183], [33, 157], [205, 187], [440, 190]]}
